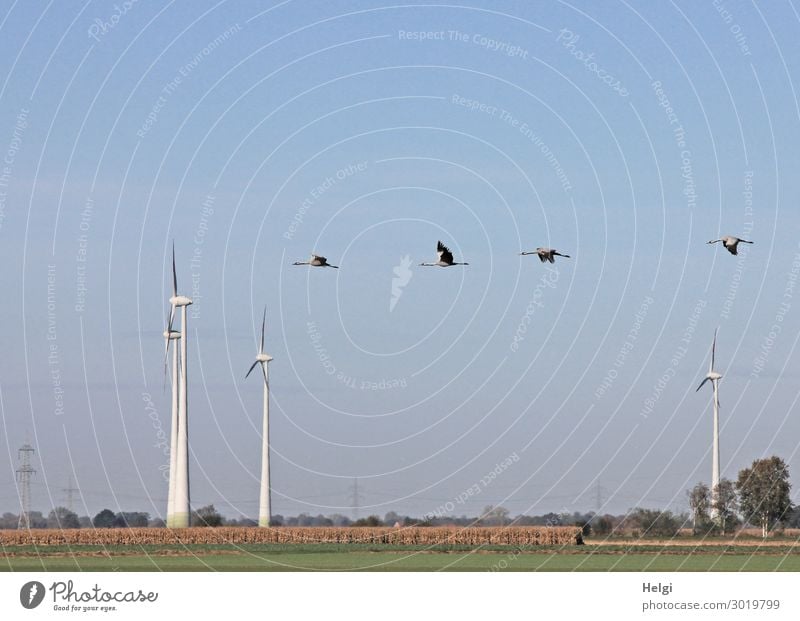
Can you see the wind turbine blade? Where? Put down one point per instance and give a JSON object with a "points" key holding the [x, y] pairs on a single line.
{"points": [[171, 318], [263, 323], [251, 369], [174, 294], [713, 350], [166, 364], [166, 345], [264, 371], [174, 273], [701, 384]]}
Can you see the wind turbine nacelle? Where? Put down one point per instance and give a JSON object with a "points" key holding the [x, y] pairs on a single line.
{"points": [[180, 300], [264, 358], [172, 335], [714, 376]]}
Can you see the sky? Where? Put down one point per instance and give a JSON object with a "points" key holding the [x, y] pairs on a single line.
{"points": [[624, 134]]}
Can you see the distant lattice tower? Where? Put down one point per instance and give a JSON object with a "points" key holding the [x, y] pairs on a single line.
{"points": [[355, 498], [24, 474]]}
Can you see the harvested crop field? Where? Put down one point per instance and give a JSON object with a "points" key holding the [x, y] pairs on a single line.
{"points": [[472, 536], [382, 549]]}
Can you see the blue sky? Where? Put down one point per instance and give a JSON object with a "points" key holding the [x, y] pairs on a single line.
{"points": [[625, 135]]}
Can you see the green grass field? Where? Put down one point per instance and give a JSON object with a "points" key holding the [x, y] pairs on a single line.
{"points": [[330, 557]]}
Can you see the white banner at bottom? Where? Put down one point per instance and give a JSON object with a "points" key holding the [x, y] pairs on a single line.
{"points": [[400, 596]]}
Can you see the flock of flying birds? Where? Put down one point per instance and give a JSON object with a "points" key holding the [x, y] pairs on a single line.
{"points": [[730, 243]]}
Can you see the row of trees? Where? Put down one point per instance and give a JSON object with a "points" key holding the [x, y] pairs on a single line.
{"points": [[637, 522], [491, 516], [760, 496], [61, 517]]}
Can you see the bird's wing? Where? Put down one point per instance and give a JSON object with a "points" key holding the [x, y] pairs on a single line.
{"points": [[701, 384], [251, 369], [444, 253], [733, 249]]}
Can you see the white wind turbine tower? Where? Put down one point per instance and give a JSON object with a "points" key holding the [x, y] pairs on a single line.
{"points": [[178, 511], [169, 336], [714, 378], [265, 504]]}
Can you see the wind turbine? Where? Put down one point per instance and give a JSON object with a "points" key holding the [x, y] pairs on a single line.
{"points": [[171, 335], [714, 377], [265, 504], [179, 475]]}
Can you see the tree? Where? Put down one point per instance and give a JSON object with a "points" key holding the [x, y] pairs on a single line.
{"points": [[724, 504], [585, 526], [340, 520], [131, 519], [549, 519], [793, 517], [654, 522], [207, 516], [104, 519], [699, 503], [372, 520], [602, 524], [61, 517], [495, 516], [37, 519], [764, 493]]}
